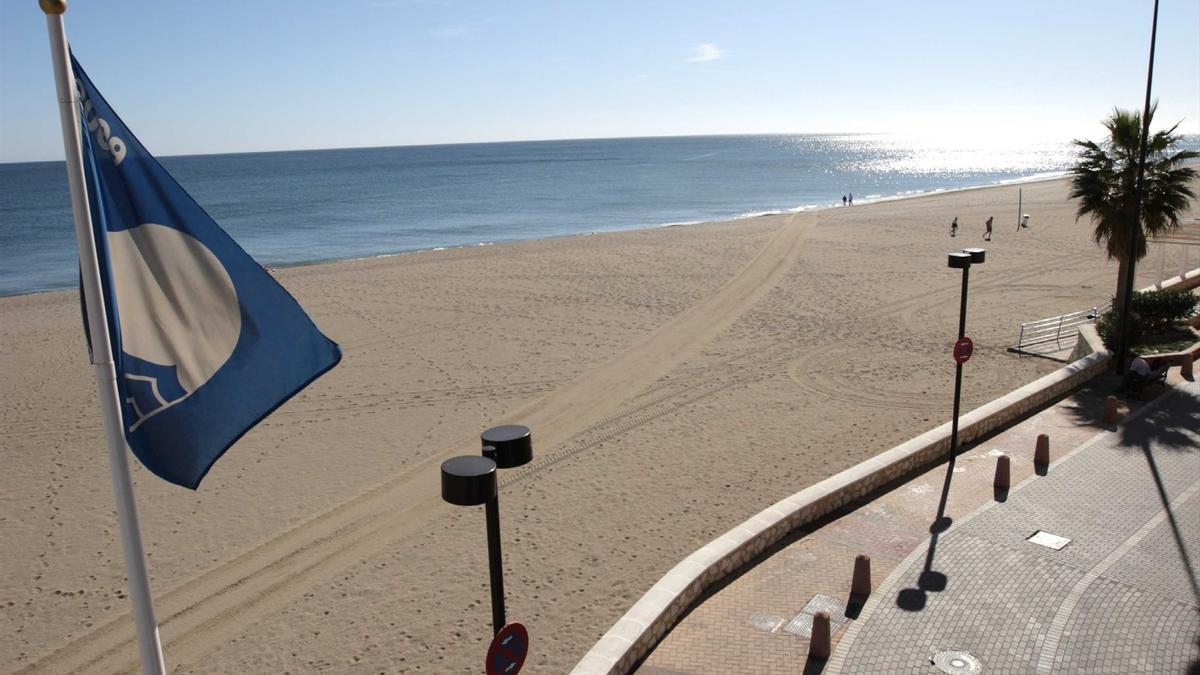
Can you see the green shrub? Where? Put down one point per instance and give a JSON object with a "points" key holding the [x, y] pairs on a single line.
{"points": [[1150, 312], [1157, 310], [1107, 324]]}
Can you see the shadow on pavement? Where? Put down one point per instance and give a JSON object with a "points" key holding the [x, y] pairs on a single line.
{"points": [[1086, 406], [854, 605], [1165, 426], [814, 665], [1163, 429], [930, 580]]}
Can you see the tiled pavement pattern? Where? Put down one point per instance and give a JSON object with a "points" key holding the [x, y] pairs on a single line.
{"points": [[1146, 599], [1117, 599], [1002, 595]]}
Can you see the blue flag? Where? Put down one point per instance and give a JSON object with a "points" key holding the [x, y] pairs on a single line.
{"points": [[206, 342]]}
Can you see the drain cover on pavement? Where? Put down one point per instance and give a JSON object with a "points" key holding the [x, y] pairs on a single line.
{"points": [[767, 622], [824, 603], [957, 662], [1050, 540], [801, 625]]}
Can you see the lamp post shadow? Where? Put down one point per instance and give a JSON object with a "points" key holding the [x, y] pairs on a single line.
{"points": [[930, 580]]}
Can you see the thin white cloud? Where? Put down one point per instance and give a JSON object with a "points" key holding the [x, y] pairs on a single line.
{"points": [[707, 51]]}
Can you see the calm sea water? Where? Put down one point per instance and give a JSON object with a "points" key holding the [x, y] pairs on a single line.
{"points": [[294, 207]]}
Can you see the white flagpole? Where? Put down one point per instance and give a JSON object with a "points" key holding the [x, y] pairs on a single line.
{"points": [[149, 646]]}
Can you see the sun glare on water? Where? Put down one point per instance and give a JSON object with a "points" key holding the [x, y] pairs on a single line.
{"points": [[925, 154]]}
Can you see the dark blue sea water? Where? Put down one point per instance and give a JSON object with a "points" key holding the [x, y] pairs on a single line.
{"points": [[294, 207]]}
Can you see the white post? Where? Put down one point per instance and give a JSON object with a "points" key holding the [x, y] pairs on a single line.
{"points": [[149, 646], [1020, 200]]}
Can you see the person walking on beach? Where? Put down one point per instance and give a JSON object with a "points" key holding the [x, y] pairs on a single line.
{"points": [[987, 233], [954, 227], [851, 199], [843, 200]]}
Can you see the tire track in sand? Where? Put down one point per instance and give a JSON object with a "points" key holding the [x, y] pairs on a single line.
{"points": [[218, 604]]}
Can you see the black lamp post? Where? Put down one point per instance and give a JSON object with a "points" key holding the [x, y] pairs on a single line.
{"points": [[469, 481], [962, 261]]}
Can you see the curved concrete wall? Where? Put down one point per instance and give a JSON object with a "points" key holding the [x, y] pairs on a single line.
{"points": [[641, 628]]}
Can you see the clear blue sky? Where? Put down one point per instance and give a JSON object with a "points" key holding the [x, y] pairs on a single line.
{"points": [[225, 76]]}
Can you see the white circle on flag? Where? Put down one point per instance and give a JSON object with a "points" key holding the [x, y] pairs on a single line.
{"points": [[175, 301]]}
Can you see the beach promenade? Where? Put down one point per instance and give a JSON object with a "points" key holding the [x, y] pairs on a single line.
{"points": [[971, 593]]}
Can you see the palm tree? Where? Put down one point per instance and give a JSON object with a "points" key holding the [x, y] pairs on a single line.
{"points": [[1104, 181]]}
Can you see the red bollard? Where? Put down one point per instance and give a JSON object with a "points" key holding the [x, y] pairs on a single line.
{"points": [[1110, 409], [1041, 452], [861, 583], [820, 646], [1002, 479]]}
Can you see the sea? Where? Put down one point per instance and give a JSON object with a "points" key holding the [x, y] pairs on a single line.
{"points": [[296, 207]]}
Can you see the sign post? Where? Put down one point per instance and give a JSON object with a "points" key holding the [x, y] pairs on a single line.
{"points": [[962, 351]]}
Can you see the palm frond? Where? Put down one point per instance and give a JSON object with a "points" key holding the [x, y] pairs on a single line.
{"points": [[1103, 180]]}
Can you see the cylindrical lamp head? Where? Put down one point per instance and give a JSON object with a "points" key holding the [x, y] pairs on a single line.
{"points": [[977, 255], [960, 261], [468, 480], [509, 445]]}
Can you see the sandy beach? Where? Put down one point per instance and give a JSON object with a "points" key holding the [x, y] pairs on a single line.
{"points": [[676, 381]]}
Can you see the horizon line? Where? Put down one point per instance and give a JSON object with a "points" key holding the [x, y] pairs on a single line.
{"points": [[496, 142], [507, 141]]}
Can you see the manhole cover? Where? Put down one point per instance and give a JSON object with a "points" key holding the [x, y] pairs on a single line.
{"points": [[957, 662], [765, 622]]}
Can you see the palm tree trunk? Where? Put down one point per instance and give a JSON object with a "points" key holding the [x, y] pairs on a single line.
{"points": [[1123, 331], [1122, 274]]}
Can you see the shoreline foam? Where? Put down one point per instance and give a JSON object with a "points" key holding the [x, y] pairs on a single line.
{"points": [[804, 208]]}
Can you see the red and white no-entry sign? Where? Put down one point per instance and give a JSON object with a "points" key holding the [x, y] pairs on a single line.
{"points": [[509, 648], [963, 349]]}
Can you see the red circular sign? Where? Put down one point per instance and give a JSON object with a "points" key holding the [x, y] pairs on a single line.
{"points": [[509, 648], [963, 349]]}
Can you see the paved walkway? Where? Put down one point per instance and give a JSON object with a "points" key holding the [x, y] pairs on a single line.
{"points": [[973, 594]]}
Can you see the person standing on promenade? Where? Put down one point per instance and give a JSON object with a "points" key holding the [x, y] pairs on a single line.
{"points": [[954, 227], [987, 233]]}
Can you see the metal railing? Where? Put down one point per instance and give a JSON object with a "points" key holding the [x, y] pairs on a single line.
{"points": [[1056, 328]]}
